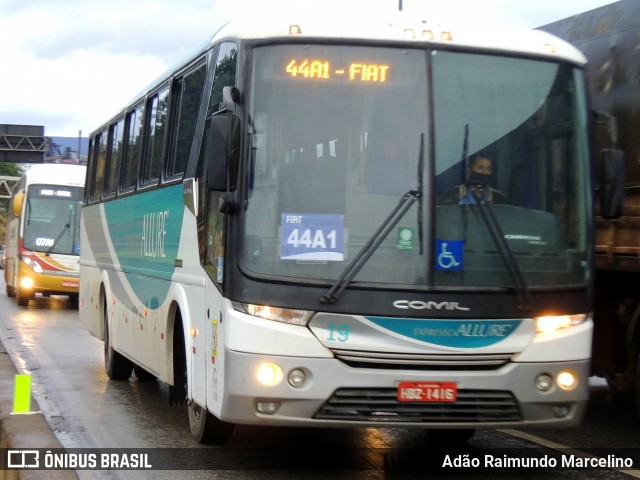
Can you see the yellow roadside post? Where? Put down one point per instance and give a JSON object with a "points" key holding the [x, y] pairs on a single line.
{"points": [[22, 395]]}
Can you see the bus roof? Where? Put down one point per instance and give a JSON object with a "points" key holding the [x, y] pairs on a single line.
{"points": [[403, 28], [56, 174], [399, 28]]}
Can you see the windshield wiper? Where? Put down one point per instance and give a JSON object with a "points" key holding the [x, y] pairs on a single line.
{"points": [[421, 194], [506, 254], [523, 295], [405, 203], [65, 227]]}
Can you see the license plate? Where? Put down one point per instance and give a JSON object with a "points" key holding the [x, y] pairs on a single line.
{"points": [[435, 392]]}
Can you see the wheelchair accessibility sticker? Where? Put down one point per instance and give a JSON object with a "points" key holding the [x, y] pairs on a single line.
{"points": [[449, 255]]}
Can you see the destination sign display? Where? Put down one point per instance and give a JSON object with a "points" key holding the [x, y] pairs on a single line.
{"points": [[324, 69], [346, 65]]}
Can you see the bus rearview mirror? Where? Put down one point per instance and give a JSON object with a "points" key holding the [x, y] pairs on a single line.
{"points": [[17, 203], [223, 152]]}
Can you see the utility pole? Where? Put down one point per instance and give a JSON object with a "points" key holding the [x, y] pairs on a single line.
{"points": [[400, 5]]}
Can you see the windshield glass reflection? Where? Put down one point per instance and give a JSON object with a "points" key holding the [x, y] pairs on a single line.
{"points": [[335, 138]]}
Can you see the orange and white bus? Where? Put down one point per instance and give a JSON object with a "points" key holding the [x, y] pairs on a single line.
{"points": [[43, 233]]}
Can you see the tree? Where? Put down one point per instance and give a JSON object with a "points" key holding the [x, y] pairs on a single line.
{"points": [[11, 169]]}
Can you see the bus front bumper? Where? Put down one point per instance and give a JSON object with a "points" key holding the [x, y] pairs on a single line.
{"points": [[57, 282], [326, 392]]}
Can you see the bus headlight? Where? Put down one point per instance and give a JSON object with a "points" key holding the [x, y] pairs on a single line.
{"points": [[269, 374], [26, 283], [567, 379], [284, 315], [35, 266], [552, 323]]}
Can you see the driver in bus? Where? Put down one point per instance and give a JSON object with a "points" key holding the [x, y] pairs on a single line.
{"points": [[477, 187]]}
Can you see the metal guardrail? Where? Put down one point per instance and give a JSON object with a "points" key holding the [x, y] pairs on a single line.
{"points": [[6, 185]]}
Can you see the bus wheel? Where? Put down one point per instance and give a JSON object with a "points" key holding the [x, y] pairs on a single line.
{"points": [[23, 298], [206, 427], [74, 300], [143, 375], [450, 437], [11, 292], [117, 366]]}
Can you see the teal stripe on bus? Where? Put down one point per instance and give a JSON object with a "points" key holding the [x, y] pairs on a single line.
{"points": [[145, 232]]}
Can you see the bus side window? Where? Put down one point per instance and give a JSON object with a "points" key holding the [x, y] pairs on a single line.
{"points": [[114, 157], [133, 141], [186, 95], [225, 75], [90, 169], [157, 107], [201, 174], [99, 161], [211, 222]]}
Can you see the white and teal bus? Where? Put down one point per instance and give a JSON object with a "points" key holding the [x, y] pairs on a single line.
{"points": [[268, 229], [42, 243]]}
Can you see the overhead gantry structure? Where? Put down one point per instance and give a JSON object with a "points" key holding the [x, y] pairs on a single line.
{"points": [[22, 143]]}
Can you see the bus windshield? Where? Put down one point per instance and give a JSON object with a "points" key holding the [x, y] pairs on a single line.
{"points": [[52, 219], [336, 140]]}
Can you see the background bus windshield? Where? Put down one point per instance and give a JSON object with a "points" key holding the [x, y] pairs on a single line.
{"points": [[335, 135], [52, 219]]}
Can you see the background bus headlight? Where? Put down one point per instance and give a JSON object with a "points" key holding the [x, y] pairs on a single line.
{"points": [[35, 266]]}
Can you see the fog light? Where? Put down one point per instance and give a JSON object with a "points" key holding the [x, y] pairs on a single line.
{"points": [[270, 374], [297, 378], [544, 382], [267, 408], [567, 379], [26, 282], [560, 411]]}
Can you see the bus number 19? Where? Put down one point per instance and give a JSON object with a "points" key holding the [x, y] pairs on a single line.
{"points": [[339, 333]]}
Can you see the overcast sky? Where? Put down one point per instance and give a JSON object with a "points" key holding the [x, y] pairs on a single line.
{"points": [[71, 64]]}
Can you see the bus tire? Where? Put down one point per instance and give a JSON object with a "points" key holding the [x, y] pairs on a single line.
{"points": [[117, 366], [206, 427], [23, 299], [11, 291], [143, 375], [74, 300]]}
